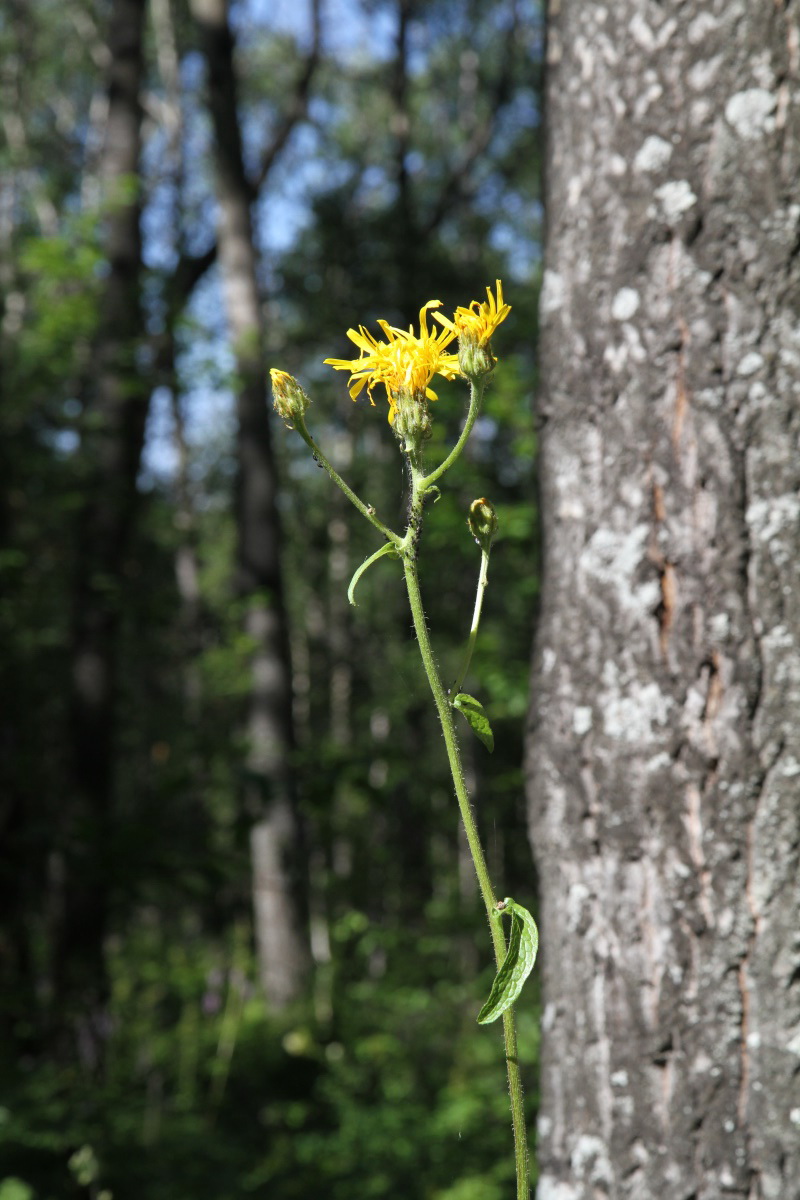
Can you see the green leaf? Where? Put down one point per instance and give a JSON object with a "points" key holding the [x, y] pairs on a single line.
{"points": [[474, 712], [12, 1188], [386, 548], [518, 963]]}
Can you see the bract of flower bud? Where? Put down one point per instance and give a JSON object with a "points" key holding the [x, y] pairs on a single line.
{"points": [[482, 521], [411, 419], [288, 398], [475, 360]]}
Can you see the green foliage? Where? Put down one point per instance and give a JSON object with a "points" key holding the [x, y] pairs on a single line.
{"points": [[523, 944], [475, 715], [389, 1090], [387, 549], [15, 1189], [63, 274], [178, 1082]]}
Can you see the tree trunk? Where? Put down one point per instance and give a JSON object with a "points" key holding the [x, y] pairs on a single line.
{"points": [[279, 900], [117, 409], [664, 748]]}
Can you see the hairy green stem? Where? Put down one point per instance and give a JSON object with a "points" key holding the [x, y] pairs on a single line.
{"points": [[406, 547], [476, 390], [445, 712], [366, 510]]}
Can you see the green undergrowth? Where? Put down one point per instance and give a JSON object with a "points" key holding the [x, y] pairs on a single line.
{"points": [[380, 1085]]}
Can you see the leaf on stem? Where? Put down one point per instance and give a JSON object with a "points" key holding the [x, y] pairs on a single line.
{"points": [[475, 714], [386, 548], [523, 945]]}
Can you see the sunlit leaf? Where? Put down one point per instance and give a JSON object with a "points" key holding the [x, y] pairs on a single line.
{"points": [[473, 711], [523, 945]]}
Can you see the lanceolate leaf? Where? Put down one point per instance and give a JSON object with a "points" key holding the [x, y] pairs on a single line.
{"points": [[517, 965], [386, 548], [474, 712]]}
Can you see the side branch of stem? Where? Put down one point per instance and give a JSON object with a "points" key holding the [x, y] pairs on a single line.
{"points": [[483, 580], [366, 510], [476, 390]]}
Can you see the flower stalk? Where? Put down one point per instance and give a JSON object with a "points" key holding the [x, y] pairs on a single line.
{"points": [[445, 713], [405, 363], [483, 579], [476, 391], [366, 510]]}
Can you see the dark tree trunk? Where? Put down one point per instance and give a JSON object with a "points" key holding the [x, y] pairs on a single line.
{"points": [[279, 900], [116, 410], [664, 750]]}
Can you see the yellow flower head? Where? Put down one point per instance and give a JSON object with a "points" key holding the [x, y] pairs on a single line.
{"points": [[477, 323], [404, 361]]}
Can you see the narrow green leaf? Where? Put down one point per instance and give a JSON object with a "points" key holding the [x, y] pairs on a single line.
{"points": [[386, 548], [475, 714], [523, 945]]}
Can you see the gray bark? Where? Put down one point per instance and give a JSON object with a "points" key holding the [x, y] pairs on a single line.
{"points": [[664, 747], [279, 901]]}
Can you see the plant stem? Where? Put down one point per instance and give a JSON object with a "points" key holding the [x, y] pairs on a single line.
{"points": [[407, 548], [483, 579], [445, 712], [476, 391], [366, 510]]}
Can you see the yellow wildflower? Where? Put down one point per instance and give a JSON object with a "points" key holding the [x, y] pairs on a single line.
{"points": [[477, 323], [404, 361]]}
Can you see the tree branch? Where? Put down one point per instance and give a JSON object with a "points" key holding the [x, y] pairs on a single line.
{"points": [[298, 106], [459, 184]]}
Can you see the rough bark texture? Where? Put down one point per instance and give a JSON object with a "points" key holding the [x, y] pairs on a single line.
{"points": [[664, 750], [278, 900]]}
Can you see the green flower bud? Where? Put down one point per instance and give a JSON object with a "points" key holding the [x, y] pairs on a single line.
{"points": [[475, 360], [288, 398], [410, 419], [482, 521]]}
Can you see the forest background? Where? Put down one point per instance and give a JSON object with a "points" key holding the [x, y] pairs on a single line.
{"points": [[241, 947]]}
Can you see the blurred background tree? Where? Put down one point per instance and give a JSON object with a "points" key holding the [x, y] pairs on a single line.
{"points": [[197, 727]]}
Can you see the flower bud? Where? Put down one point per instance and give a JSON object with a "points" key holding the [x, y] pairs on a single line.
{"points": [[482, 521], [288, 398], [474, 360], [411, 419]]}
